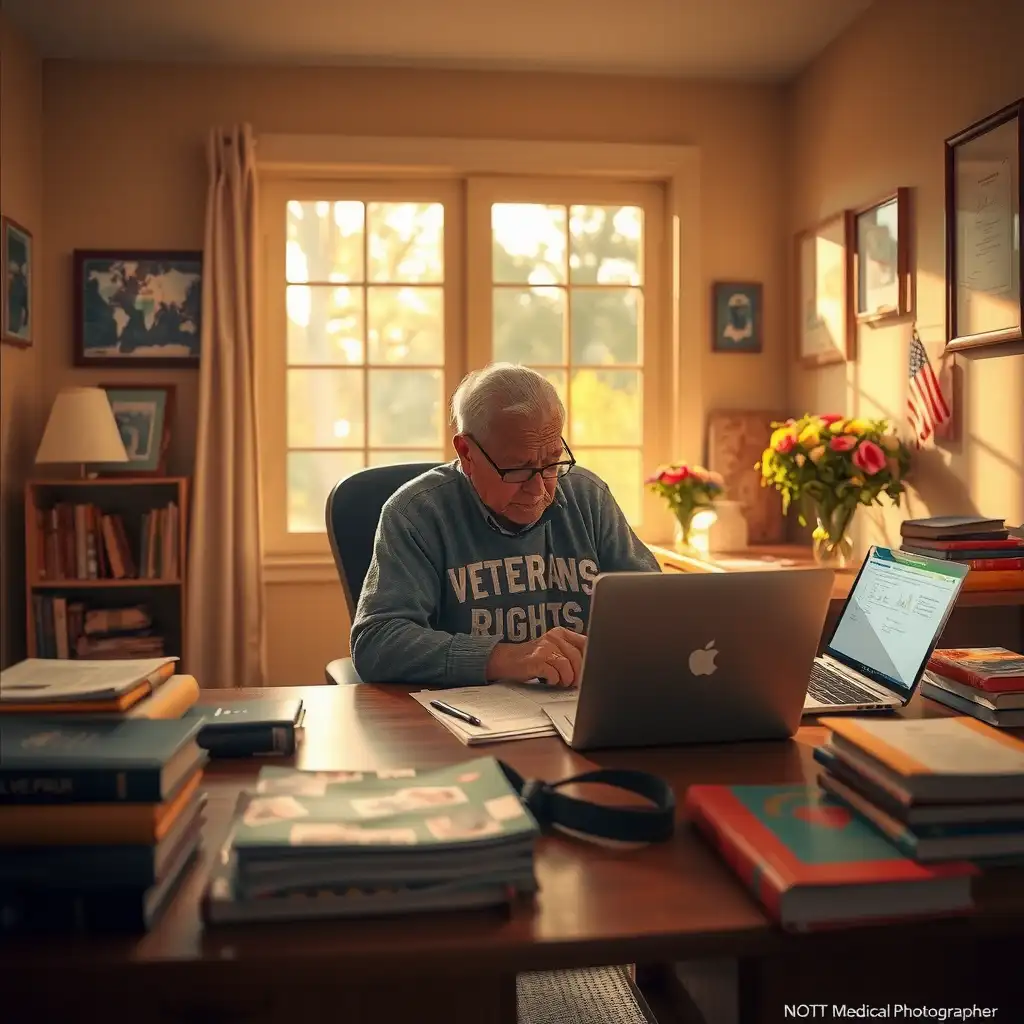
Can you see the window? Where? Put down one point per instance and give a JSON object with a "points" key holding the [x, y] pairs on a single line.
{"points": [[381, 295], [362, 337]]}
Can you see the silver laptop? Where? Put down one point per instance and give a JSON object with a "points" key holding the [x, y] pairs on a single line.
{"points": [[677, 658], [888, 628]]}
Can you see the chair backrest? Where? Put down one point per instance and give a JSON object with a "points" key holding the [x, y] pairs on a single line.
{"points": [[353, 510]]}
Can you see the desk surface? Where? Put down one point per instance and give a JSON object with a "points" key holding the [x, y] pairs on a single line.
{"points": [[668, 901]]}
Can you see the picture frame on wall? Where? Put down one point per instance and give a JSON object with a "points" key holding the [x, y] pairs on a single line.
{"points": [[137, 308], [736, 316], [881, 253], [18, 326], [144, 414], [984, 198], [824, 292]]}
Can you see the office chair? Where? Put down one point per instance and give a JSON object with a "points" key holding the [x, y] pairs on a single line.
{"points": [[353, 509]]}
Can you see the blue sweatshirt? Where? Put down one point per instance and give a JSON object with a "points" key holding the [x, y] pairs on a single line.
{"points": [[446, 582]]}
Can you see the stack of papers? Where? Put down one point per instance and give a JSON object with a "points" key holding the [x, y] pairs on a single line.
{"points": [[507, 711]]}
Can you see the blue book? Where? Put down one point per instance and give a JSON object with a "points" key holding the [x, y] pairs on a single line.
{"points": [[73, 759], [245, 728]]}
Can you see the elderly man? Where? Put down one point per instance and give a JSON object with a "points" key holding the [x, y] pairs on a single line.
{"points": [[483, 568]]}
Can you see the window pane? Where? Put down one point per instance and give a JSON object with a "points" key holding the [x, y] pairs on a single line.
{"points": [[406, 408], [406, 325], [325, 409], [529, 325], [604, 326], [406, 241], [325, 241], [605, 408], [528, 243], [621, 470], [311, 475], [394, 458], [605, 244], [325, 324]]}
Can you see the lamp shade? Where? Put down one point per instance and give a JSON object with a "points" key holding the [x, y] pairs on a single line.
{"points": [[81, 429]]}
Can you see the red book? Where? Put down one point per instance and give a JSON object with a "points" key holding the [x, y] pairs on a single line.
{"points": [[993, 669], [994, 564], [967, 545], [813, 864]]}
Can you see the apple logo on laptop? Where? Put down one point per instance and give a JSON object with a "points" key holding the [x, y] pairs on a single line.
{"points": [[702, 660]]}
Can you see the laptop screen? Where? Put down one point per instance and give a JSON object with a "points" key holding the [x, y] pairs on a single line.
{"points": [[894, 616]]}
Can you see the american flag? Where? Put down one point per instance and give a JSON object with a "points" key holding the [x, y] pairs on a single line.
{"points": [[926, 406]]}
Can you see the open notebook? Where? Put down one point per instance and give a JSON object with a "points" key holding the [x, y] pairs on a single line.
{"points": [[507, 711]]}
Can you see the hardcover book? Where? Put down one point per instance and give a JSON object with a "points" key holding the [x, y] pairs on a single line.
{"points": [[812, 863], [243, 728]]}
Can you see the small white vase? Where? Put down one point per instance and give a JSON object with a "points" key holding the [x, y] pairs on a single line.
{"points": [[729, 531]]}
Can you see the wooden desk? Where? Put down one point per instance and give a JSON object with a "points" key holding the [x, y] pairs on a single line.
{"points": [[668, 902]]}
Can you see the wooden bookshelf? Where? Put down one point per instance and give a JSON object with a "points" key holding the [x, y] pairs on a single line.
{"points": [[100, 545]]}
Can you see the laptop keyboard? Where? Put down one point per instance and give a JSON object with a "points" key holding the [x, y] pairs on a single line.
{"points": [[831, 688]]}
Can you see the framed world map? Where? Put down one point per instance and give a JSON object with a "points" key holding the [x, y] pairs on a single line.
{"points": [[137, 308]]}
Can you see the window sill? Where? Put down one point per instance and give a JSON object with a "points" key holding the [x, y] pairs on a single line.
{"points": [[299, 569]]}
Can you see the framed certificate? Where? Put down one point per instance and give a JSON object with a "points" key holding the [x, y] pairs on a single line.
{"points": [[881, 257], [984, 195]]}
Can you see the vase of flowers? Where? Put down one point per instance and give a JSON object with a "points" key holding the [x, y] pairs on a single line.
{"points": [[687, 489], [831, 465]]}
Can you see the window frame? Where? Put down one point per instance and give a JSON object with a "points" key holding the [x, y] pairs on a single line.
{"points": [[655, 366], [336, 162]]}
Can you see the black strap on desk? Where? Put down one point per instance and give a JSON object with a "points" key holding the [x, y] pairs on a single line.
{"points": [[551, 808]]}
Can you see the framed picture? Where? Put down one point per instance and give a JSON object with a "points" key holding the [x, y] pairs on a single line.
{"points": [[737, 316], [881, 249], [18, 327], [144, 414], [984, 196], [135, 308], [824, 286]]}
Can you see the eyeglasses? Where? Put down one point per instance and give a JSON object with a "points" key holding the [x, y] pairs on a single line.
{"points": [[521, 474]]}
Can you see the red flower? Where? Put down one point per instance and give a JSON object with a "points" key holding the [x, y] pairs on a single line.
{"points": [[869, 458], [785, 444], [675, 476], [830, 417], [842, 443]]}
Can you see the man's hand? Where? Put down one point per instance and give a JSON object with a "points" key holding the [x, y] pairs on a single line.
{"points": [[556, 657]]}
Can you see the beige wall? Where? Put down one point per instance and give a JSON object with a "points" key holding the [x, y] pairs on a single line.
{"points": [[21, 199], [870, 115], [124, 167]]}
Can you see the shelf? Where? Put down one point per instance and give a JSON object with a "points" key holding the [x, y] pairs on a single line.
{"points": [[108, 481], [100, 584]]}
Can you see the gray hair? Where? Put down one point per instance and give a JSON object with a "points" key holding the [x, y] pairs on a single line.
{"points": [[503, 389]]}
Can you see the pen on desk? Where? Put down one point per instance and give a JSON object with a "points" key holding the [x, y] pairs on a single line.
{"points": [[447, 709]]}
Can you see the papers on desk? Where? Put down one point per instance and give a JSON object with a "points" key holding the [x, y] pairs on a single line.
{"points": [[507, 711]]}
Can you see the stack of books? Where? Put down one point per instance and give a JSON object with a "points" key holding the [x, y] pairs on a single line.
{"points": [[939, 789], [99, 820], [986, 682], [147, 688], [353, 844], [986, 545]]}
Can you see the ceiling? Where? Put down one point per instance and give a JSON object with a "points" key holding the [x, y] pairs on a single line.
{"points": [[766, 40]]}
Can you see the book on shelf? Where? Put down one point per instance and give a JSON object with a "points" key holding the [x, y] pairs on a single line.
{"points": [[812, 863], [65, 627], [343, 844], [79, 541]]}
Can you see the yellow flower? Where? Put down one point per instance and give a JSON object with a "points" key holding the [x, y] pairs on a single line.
{"points": [[780, 434], [890, 442], [856, 427], [811, 434], [816, 454]]}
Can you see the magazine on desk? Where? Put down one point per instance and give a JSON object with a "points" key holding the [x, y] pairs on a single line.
{"points": [[351, 843]]}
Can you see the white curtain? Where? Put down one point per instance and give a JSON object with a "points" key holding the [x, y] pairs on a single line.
{"points": [[225, 636]]}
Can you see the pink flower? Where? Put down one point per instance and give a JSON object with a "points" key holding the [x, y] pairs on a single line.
{"points": [[843, 442], [785, 444], [869, 458], [830, 417], [675, 476]]}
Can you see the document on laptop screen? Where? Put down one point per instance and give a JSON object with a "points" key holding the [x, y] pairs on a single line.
{"points": [[894, 615]]}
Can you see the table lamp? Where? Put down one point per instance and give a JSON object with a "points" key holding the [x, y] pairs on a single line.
{"points": [[81, 429]]}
